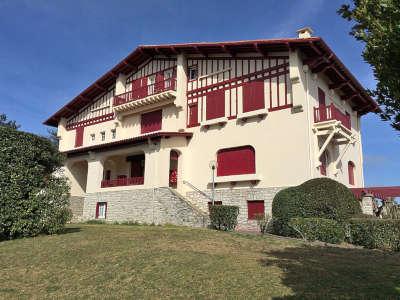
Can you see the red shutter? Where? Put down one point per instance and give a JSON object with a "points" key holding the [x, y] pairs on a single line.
{"points": [[79, 136], [253, 95], [215, 104], [151, 121], [193, 114], [255, 208], [144, 87], [236, 161], [322, 105], [350, 167], [160, 84], [97, 210]]}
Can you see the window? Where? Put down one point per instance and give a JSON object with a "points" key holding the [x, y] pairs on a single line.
{"points": [[350, 168], [253, 95], [103, 135], [79, 136], [236, 161], [92, 136], [151, 121], [255, 208], [113, 133], [193, 73], [215, 104], [193, 114], [101, 210]]}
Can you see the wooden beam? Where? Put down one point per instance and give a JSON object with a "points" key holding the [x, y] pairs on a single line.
{"points": [[349, 96], [260, 50], [337, 85], [99, 87]]}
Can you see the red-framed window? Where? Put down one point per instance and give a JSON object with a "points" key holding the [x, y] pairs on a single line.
{"points": [[236, 161], [350, 168], [193, 114], [254, 209], [253, 95], [79, 136], [101, 210], [215, 104], [151, 121]]}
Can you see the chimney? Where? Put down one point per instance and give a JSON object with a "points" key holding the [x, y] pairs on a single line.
{"points": [[305, 32]]}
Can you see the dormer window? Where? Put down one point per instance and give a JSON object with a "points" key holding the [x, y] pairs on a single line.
{"points": [[113, 133], [193, 73], [103, 135]]}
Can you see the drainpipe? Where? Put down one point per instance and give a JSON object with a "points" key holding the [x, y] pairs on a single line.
{"points": [[310, 144]]}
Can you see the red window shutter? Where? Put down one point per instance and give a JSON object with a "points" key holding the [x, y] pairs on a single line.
{"points": [[144, 87], [160, 84], [321, 97], [215, 104], [151, 121], [255, 208], [193, 114], [253, 95], [350, 167], [79, 136], [236, 161], [136, 84], [97, 210]]}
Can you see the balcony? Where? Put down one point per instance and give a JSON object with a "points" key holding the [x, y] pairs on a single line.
{"points": [[156, 93], [330, 113], [122, 182]]}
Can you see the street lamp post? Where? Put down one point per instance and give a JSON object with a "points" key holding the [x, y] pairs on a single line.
{"points": [[213, 166]]}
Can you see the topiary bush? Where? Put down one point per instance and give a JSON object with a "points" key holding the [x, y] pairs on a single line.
{"points": [[317, 198], [224, 217], [375, 233], [32, 199], [318, 229]]}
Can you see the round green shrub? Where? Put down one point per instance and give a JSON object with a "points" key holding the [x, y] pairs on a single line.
{"points": [[318, 229], [224, 217], [316, 198]]}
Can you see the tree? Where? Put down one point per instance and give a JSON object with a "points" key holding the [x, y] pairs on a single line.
{"points": [[33, 199], [377, 24], [5, 122]]}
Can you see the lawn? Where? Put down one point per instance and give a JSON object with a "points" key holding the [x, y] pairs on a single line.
{"points": [[117, 261]]}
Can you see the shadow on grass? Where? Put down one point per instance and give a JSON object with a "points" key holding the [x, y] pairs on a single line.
{"points": [[70, 230], [315, 271]]}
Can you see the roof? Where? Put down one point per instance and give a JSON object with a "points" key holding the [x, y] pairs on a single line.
{"points": [[382, 192], [320, 58], [126, 142]]}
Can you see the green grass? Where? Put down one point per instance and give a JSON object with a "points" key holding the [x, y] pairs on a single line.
{"points": [[118, 261]]}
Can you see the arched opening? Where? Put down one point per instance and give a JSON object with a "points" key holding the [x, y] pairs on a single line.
{"points": [[173, 168], [350, 169]]}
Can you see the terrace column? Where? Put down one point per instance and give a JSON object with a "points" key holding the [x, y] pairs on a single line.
{"points": [[181, 87], [95, 172], [156, 172]]}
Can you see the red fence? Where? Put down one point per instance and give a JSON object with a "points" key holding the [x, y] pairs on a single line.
{"points": [[146, 90], [331, 112], [122, 182]]}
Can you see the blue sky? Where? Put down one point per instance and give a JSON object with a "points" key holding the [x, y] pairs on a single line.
{"points": [[51, 50]]}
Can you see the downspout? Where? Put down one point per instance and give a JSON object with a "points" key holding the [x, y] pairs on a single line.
{"points": [[310, 144]]}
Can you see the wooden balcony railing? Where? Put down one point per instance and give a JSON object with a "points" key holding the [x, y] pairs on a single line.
{"points": [[122, 181], [331, 112], [147, 90]]}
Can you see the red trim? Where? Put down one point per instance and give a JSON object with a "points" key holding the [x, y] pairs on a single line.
{"points": [[382, 192], [254, 208], [123, 181], [91, 121], [232, 117]]}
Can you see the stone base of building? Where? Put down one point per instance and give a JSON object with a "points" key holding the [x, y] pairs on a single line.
{"points": [[76, 206]]}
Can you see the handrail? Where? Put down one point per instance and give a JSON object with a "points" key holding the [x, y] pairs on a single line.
{"points": [[331, 112], [197, 189]]}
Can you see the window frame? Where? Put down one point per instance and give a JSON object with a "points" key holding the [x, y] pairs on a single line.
{"points": [[194, 69], [98, 205]]}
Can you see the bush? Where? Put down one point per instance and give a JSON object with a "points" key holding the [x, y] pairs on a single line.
{"points": [[32, 199], [317, 198], [318, 229], [375, 233], [224, 217]]}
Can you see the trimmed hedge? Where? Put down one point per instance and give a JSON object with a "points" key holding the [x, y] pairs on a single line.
{"points": [[224, 217], [375, 233], [318, 229], [317, 198]]}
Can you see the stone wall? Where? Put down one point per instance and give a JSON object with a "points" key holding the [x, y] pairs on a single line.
{"points": [[239, 197], [158, 206], [76, 206]]}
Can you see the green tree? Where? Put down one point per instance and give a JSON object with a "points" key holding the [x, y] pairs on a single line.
{"points": [[377, 24], [33, 199], [5, 122]]}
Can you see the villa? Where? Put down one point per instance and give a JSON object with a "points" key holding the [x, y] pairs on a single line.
{"points": [[172, 128]]}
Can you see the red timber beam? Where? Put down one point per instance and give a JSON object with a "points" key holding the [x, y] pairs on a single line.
{"points": [[382, 192]]}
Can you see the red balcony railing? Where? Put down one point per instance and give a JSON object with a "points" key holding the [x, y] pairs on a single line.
{"points": [[147, 90], [331, 112], [122, 181]]}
